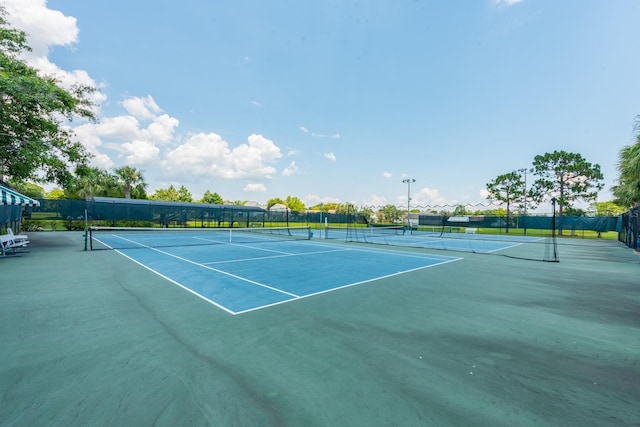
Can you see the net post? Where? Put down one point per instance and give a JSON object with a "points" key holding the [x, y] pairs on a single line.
{"points": [[86, 229], [90, 238], [554, 244]]}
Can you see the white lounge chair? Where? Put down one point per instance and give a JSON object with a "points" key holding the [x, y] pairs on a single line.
{"points": [[18, 237], [8, 242]]}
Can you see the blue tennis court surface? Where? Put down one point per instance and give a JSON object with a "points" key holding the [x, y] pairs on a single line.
{"points": [[460, 242], [477, 243], [248, 276]]}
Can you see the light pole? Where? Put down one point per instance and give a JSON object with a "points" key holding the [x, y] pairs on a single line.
{"points": [[408, 181], [320, 225]]}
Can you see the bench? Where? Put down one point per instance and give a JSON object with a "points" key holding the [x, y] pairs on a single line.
{"points": [[8, 242], [18, 238], [470, 230]]}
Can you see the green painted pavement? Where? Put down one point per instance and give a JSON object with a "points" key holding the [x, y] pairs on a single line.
{"points": [[91, 338]]}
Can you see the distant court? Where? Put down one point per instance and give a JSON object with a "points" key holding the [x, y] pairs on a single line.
{"points": [[517, 246]]}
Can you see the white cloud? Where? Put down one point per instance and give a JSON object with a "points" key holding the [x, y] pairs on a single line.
{"points": [[257, 104], [255, 188], [208, 155], [311, 199], [292, 169], [142, 108], [314, 199], [330, 156], [45, 28], [428, 196], [102, 161], [375, 200], [507, 2], [87, 135], [121, 127], [322, 135], [319, 135], [484, 193], [127, 136], [161, 129], [69, 79], [387, 174], [127, 128], [140, 153]]}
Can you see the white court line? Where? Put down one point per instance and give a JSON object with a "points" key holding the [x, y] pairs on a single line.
{"points": [[283, 255], [245, 245], [253, 282], [336, 248], [347, 286], [177, 283], [401, 251], [506, 247]]}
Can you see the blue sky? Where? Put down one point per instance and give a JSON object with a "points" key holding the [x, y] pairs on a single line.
{"points": [[339, 100]]}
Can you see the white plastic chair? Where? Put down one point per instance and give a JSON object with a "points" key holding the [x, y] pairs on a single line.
{"points": [[8, 242], [18, 238]]}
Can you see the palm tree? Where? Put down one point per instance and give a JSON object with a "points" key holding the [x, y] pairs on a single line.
{"points": [[627, 191], [130, 179], [89, 182]]}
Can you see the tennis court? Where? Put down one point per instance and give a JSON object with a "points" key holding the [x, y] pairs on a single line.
{"points": [[93, 338], [240, 270], [534, 248], [398, 236]]}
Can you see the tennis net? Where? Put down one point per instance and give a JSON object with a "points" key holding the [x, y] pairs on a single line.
{"points": [[154, 237], [537, 248]]}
